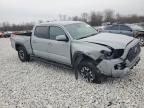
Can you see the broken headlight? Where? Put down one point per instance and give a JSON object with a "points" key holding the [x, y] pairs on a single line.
{"points": [[116, 53]]}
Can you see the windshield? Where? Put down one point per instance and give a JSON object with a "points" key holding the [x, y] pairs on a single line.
{"points": [[80, 30], [136, 27]]}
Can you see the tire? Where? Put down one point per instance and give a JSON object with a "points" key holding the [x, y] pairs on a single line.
{"points": [[141, 40], [23, 55], [87, 69]]}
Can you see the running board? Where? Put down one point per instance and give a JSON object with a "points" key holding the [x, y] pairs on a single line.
{"points": [[51, 62]]}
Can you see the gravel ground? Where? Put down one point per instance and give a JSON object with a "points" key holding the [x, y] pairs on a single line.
{"points": [[40, 85]]}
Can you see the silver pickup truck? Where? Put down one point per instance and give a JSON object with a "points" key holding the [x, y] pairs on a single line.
{"points": [[78, 45]]}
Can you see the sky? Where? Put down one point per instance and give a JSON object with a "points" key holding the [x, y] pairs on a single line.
{"points": [[19, 11]]}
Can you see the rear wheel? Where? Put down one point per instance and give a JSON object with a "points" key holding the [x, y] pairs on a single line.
{"points": [[23, 55], [89, 72], [141, 40]]}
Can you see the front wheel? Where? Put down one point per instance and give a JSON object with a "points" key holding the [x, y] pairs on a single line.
{"points": [[89, 72], [141, 40], [23, 55]]}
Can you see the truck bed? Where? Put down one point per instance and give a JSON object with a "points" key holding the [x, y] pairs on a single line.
{"points": [[24, 40], [24, 34]]}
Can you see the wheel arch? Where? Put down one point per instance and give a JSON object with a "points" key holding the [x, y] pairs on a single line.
{"points": [[78, 57], [17, 45]]}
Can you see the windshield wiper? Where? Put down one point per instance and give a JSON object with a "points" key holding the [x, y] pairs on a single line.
{"points": [[82, 37], [92, 34], [88, 35]]}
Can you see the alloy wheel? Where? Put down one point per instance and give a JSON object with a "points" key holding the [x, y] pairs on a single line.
{"points": [[87, 74]]}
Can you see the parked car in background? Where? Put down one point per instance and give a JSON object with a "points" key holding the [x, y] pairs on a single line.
{"points": [[79, 46], [99, 28], [7, 34], [1, 34], [21, 32], [140, 24], [132, 30]]}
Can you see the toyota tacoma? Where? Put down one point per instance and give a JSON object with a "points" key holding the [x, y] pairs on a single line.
{"points": [[79, 46]]}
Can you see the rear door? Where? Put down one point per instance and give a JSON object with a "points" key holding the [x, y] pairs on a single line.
{"points": [[40, 41], [126, 30]]}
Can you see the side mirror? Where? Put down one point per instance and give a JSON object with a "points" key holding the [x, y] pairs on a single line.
{"points": [[61, 38]]}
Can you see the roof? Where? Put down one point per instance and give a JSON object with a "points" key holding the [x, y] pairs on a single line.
{"points": [[60, 23]]}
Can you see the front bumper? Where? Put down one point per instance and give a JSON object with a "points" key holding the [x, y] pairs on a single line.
{"points": [[121, 66], [107, 67], [123, 72]]}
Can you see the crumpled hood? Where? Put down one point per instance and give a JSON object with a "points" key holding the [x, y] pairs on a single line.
{"points": [[116, 41]]}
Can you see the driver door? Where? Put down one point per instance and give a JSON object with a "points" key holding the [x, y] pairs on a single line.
{"points": [[58, 51]]}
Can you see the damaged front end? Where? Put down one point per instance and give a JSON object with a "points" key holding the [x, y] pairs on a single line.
{"points": [[114, 54], [140, 36], [119, 62]]}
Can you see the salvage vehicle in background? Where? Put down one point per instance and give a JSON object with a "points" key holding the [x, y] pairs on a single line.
{"points": [[132, 30], [7, 34], [79, 46], [140, 24], [1, 34], [99, 28]]}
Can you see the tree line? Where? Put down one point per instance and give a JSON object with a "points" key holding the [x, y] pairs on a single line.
{"points": [[93, 18], [6, 26], [97, 18]]}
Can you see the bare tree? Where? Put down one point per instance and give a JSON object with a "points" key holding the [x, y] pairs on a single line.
{"points": [[19, 27], [134, 18], [118, 18], [109, 15], [5, 26], [96, 18], [84, 17], [76, 18], [63, 17]]}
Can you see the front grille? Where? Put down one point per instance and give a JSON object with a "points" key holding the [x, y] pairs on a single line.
{"points": [[133, 52]]}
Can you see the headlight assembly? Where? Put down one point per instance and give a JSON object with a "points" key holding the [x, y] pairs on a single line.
{"points": [[116, 53]]}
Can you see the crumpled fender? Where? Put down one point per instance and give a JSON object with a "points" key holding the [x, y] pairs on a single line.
{"points": [[88, 50]]}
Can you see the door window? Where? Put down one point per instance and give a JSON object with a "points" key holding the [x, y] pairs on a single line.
{"points": [[115, 27], [41, 32], [124, 28], [55, 31]]}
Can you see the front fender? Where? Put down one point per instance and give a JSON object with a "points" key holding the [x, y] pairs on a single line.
{"points": [[84, 50], [90, 50]]}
